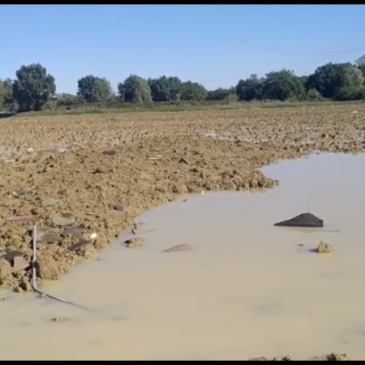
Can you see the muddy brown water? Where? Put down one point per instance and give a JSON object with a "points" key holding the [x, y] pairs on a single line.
{"points": [[245, 289]]}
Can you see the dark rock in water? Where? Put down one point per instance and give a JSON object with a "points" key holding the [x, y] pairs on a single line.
{"points": [[302, 220]]}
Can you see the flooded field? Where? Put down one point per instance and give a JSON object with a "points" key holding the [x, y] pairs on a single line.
{"points": [[242, 287]]}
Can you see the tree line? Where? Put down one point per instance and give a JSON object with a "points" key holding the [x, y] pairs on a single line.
{"points": [[33, 88]]}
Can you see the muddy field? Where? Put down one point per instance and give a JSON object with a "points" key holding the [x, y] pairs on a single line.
{"points": [[81, 177]]}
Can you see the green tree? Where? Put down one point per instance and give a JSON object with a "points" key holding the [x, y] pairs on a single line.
{"points": [[352, 84], [304, 80], [221, 94], [360, 63], [8, 102], [193, 91], [165, 88], [94, 89], [33, 87], [282, 85], [67, 100], [2, 95], [328, 79], [5, 94], [135, 89], [249, 89], [352, 77], [362, 69], [313, 95], [348, 93]]}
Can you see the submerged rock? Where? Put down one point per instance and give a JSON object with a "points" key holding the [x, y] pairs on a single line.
{"points": [[178, 248], [324, 247], [302, 220]]}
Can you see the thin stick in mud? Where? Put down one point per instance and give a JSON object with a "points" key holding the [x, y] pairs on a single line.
{"points": [[34, 276]]}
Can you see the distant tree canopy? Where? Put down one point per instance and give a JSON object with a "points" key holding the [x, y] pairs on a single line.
{"points": [[33, 88], [135, 89], [94, 89], [166, 89], [221, 94], [6, 95], [336, 81]]}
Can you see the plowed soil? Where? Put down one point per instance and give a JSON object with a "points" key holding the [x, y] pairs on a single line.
{"points": [[73, 176]]}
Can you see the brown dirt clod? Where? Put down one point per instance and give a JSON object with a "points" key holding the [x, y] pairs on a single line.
{"points": [[134, 242], [276, 358], [324, 247], [337, 357]]}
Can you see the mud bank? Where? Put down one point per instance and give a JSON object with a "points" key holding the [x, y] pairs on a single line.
{"points": [[95, 174], [244, 286]]}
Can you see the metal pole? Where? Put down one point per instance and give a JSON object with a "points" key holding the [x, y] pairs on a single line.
{"points": [[34, 276]]}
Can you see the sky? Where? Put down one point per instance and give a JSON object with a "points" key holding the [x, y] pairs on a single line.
{"points": [[215, 45]]}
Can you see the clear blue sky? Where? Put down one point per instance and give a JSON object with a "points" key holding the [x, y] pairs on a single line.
{"points": [[212, 44]]}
